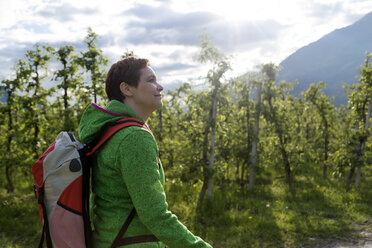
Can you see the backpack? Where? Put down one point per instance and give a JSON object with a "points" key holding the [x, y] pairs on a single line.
{"points": [[62, 188]]}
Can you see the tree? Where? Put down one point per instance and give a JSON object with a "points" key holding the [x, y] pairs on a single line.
{"points": [[360, 101], [69, 83], [252, 172], [128, 53], [13, 123], [92, 61], [276, 98], [242, 90], [325, 110], [220, 66], [35, 101], [11, 88]]}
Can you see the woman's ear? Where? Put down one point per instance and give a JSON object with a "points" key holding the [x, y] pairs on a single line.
{"points": [[126, 89]]}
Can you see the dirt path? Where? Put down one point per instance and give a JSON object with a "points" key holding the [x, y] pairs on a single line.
{"points": [[344, 244], [364, 240]]}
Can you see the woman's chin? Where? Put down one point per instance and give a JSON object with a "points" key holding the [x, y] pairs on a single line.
{"points": [[160, 105]]}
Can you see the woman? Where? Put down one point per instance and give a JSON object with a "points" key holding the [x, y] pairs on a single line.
{"points": [[127, 172]]}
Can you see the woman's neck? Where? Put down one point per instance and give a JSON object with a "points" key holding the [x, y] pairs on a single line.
{"points": [[137, 109]]}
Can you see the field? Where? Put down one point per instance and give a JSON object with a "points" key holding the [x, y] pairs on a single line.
{"points": [[320, 213]]}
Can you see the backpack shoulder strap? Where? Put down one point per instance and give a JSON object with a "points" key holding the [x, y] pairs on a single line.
{"points": [[45, 232], [110, 129]]}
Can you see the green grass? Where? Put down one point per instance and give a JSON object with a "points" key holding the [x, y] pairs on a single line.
{"points": [[19, 218], [268, 216], [321, 211]]}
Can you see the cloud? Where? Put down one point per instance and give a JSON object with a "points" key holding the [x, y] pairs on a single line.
{"points": [[353, 17], [174, 67], [164, 1], [324, 11], [13, 51], [64, 12], [168, 32], [9, 54], [161, 25], [247, 35], [173, 85], [349, 11]]}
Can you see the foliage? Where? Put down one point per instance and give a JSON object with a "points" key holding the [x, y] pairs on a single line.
{"points": [[298, 137], [92, 61], [360, 103], [68, 86]]}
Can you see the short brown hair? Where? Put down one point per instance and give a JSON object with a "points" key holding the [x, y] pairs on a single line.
{"points": [[126, 70]]}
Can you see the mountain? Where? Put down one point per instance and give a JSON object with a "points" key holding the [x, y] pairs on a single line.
{"points": [[335, 59]]}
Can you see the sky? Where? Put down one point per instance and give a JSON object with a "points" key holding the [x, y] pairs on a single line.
{"points": [[167, 32]]}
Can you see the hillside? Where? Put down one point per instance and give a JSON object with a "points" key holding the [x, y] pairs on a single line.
{"points": [[334, 59]]}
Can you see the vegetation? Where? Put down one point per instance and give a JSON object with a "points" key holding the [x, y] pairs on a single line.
{"points": [[277, 170]]}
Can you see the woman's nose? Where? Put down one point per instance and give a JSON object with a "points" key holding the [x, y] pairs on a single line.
{"points": [[160, 88]]}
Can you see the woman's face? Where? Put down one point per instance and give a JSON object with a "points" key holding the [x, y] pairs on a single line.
{"points": [[147, 95]]}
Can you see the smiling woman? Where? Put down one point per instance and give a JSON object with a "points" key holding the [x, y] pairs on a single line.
{"points": [[144, 98], [128, 176]]}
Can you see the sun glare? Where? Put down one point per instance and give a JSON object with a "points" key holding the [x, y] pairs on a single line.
{"points": [[237, 10]]}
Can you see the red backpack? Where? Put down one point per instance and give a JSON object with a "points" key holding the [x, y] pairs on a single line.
{"points": [[62, 188]]}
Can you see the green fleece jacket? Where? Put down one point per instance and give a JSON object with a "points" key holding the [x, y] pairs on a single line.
{"points": [[127, 174]]}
